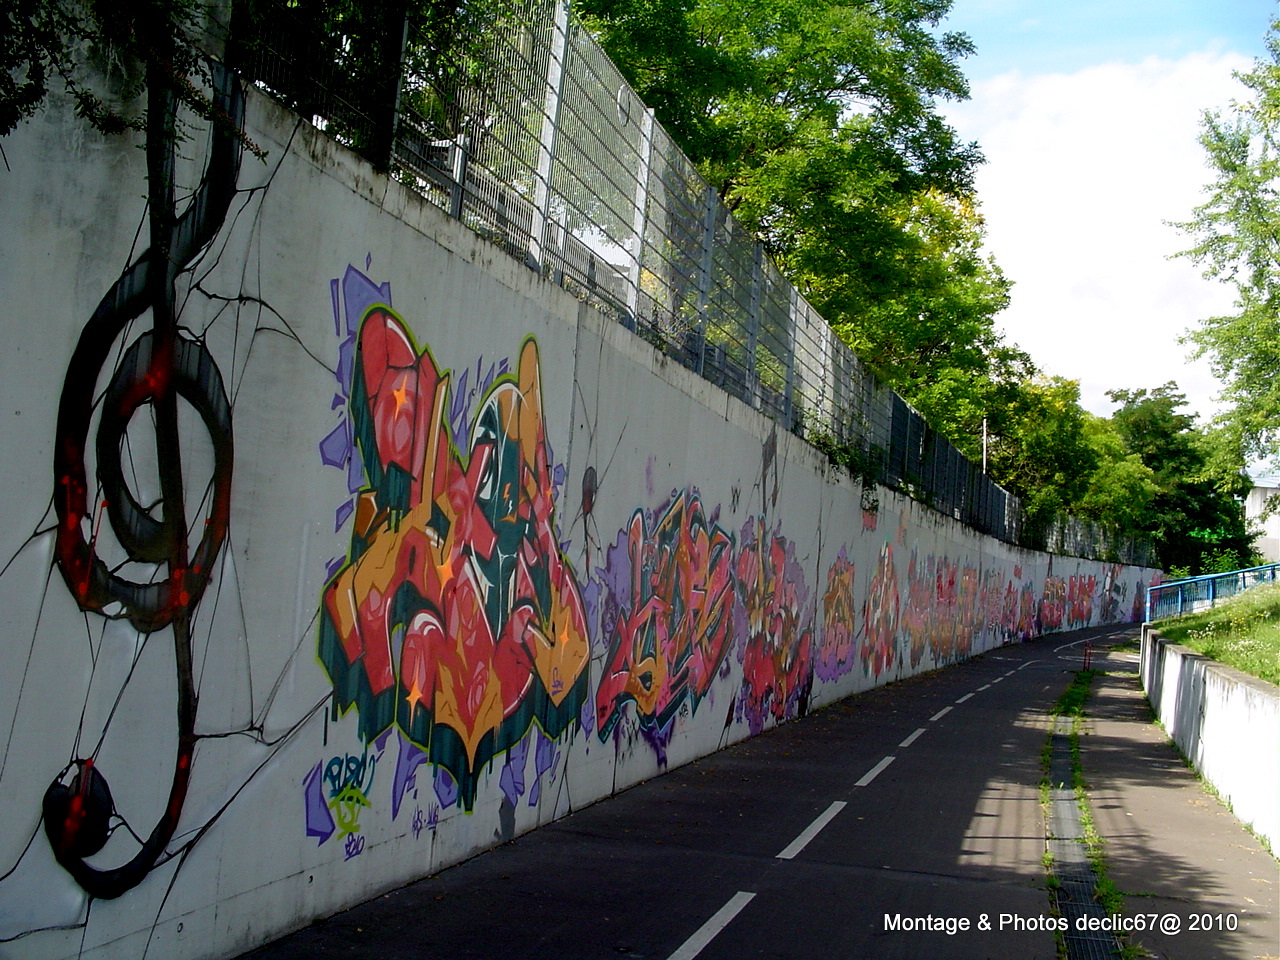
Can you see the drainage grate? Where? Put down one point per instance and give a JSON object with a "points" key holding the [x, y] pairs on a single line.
{"points": [[1076, 881]]}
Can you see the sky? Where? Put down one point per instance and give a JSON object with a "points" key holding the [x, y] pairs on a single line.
{"points": [[1088, 113]]}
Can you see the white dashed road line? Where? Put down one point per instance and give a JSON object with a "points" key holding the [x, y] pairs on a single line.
{"points": [[964, 698], [911, 739], [940, 714], [811, 831], [874, 771], [707, 932]]}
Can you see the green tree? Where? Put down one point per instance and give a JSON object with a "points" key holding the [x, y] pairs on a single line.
{"points": [[745, 86], [926, 322], [817, 122], [1237, 241], [1041, 450], [1122, 488], [1195, 516], [104, 55]]}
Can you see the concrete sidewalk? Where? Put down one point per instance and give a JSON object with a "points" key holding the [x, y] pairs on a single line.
{"points": [[1172, 848]]}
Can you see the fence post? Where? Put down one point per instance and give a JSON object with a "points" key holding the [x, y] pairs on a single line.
{"points": [[753, 325], [640, 215], [789, 344], [459, 153], [394, 36], [704, 273], [547, 138]]}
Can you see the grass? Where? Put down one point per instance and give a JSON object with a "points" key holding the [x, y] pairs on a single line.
{"points": [[1071, 703], [1242, 632]]}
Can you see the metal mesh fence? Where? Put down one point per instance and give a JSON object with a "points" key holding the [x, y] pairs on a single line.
{"points": [[508, 115]]}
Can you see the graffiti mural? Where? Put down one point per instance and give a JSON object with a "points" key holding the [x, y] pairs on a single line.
{"points": [[1053, 603], [172, 556], [839, 626], [881, 611], [456, 618], [1113, 594], [993, 584], [1026, 626], [917, 617], [1080, 592], [777, 662], [944, 611], [669, 615], [336, 792]]}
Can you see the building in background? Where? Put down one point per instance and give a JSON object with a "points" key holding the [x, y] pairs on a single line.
{"points": [[1255, 508]]}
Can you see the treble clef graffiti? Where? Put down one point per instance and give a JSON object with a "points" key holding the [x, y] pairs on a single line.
{"points": [[161, 365]]}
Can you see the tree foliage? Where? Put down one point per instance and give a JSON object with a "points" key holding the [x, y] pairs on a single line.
{"points": [[1121, 489], [104, 55], [1148, 470], [1237, 241], [817, 122], [745, 86], [1040, 449], [49, 40], [1195, 515]]}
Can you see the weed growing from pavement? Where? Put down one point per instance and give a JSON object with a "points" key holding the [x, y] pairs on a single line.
{"points": [[1072, 705]]}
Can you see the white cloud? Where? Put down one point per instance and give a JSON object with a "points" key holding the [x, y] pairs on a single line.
{"points": [[1083, 170]]}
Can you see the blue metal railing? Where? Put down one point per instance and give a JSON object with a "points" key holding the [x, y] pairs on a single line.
{"points": [[1176, 597]]}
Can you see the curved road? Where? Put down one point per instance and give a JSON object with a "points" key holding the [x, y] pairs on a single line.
{"points": [[839, 835]]}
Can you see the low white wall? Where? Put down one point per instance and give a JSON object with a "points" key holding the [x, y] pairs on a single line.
{"points": [[487, 557], [1226, 723]]}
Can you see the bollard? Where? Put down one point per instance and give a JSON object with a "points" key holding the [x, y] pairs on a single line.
{"points": [[1088, 653]]}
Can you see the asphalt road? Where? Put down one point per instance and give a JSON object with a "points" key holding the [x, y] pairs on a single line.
{"points": [[837, 835]]}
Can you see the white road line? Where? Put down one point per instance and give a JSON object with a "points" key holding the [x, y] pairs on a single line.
{"points": [[874, 771], [964, 698], [911, 739], [707, 932], [997, 679], [811, 831], [940, 714], [985, 686]]}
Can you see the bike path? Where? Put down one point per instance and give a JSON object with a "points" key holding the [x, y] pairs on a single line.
{"points": [[877, 827]]}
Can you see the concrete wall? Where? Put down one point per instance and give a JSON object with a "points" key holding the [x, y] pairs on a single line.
{"points": [[1226, 723], [468, 556]]}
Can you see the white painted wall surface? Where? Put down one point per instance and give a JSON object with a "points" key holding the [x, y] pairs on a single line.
{"points": [[1225, 722], [293, 810]]}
